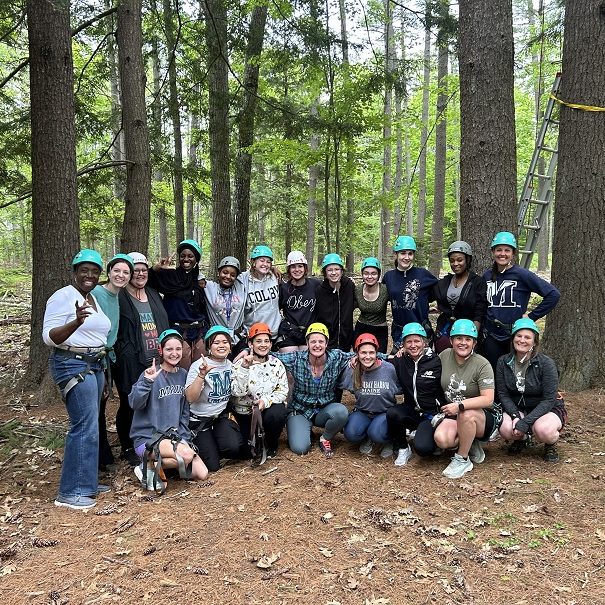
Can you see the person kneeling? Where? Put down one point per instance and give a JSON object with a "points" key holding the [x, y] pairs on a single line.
{"points": [[160, 425], [260, 379]]}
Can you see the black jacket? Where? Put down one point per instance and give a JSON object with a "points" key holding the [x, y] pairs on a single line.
{"points": [[421, 381], [471, 305], [335, 310], [129, 349]]}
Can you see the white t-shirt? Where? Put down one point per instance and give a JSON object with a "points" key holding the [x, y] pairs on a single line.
{"points": [[61, 309], [215, 395]]}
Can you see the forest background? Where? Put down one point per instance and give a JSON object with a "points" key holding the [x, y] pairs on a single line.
{"points": [[321, 126]]}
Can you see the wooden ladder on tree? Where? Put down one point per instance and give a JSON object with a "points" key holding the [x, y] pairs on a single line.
{"points": [[538, 190]]}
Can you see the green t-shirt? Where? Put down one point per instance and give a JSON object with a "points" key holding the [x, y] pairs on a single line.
{"points": [[464, 381]]}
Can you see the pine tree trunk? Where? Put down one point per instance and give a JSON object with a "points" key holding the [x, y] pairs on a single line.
{"points": [[137, 203], [215, 13], [426, 82], [488, 169], [436, 256], [55, 216], [175, 117], [194, 126], [312, 199], [243, 165], [574, 335]]}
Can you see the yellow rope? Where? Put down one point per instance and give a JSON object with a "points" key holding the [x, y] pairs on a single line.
{"points": [[577, 105]]}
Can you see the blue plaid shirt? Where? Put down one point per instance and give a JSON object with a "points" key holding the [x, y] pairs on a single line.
{"points": [[311, 395]]}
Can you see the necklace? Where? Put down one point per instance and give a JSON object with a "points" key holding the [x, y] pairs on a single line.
{"points": [[317, 369]]}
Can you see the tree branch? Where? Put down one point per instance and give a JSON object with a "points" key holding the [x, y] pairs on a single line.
{"points": [[16, 26], [74, 32]]}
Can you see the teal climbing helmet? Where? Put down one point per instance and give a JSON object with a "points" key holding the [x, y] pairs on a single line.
{"points": [[332, 259], [413, 329], [404, 242], [259, 251], [525, 323], [87, 256], [170, 333], [504, 238], [218, 330], [464, 327], [124, 258], [193, 246], [371, 262]]}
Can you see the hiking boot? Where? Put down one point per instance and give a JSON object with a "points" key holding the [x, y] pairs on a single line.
{"points": [[387, 450], [366, 447], [75, 502], [550, 453], [516, 447], [458, 467], [476, 453], [271, 453], [403, 456], [326, 447]]}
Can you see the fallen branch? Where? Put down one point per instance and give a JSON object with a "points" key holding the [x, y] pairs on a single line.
{"points": [[15, 321]]}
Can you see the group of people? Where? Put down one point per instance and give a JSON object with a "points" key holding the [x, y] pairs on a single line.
{"points": [[200, 364]]}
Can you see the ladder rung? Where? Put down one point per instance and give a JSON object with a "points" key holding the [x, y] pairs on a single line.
{"points": [[549, 149], [556, 122], [525, 251], [542, 176], [531, 227], [539, 202]]}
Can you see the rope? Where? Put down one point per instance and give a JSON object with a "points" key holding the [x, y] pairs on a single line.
{"points": [[577, 105]]}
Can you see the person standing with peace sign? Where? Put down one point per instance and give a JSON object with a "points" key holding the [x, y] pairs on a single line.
{"points": [[76, 328]]}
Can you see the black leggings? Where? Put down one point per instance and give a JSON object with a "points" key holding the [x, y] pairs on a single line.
{"points": [[493, 349], [402, 417], [221, 440], [381, 333], [274, 421]]}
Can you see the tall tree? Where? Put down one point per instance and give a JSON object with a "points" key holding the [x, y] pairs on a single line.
{"points": [[312, 195], [424, 132], [55, 218], [573, 330], [215, 14], [436, 255], [137, 203], [243, 162], [488, 168], [175, 116]]}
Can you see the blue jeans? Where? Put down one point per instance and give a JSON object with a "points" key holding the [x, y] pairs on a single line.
{"points": [[331, 417], [361, 426], [79, 473]]}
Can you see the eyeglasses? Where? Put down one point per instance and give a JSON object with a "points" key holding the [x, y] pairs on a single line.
{"points": [[142, 271]]}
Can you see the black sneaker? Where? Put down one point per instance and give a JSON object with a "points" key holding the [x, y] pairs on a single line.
{"points": [[271, 453], [550, 453], [131, 457]]}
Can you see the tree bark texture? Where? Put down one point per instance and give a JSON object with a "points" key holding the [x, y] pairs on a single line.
{"points": [[55, 218], [436, 255], [137, 204], [312, 199], [194, 126], [574, 333], [243, 163], [215, 13], [488, 170], [175, 117]]}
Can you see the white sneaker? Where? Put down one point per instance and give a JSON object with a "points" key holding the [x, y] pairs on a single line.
{"points": [[457, 467], [403, 456], [146, 483], [366, 447], [387, 450], [476, 453]]}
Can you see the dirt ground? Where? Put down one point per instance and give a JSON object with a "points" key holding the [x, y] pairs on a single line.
{"points": [[351, 530]]}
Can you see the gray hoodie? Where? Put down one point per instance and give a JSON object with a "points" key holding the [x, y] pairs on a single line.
{"points": [[262, 301]]}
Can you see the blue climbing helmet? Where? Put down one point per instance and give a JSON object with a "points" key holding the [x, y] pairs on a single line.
{"points": [[86, 255], [404, 242], [504, 238], [259, 251], [332, 259], [464, 327], [371, 262], [525, 323], [170, 333], [413, 329], [121, 258], [218, 330], [193, 246]]}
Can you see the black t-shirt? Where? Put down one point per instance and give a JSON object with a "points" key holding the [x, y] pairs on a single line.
{"points": [[297, 303]]}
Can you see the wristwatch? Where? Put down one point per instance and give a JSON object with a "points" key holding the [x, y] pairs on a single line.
{"points": [[461, 407]]}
